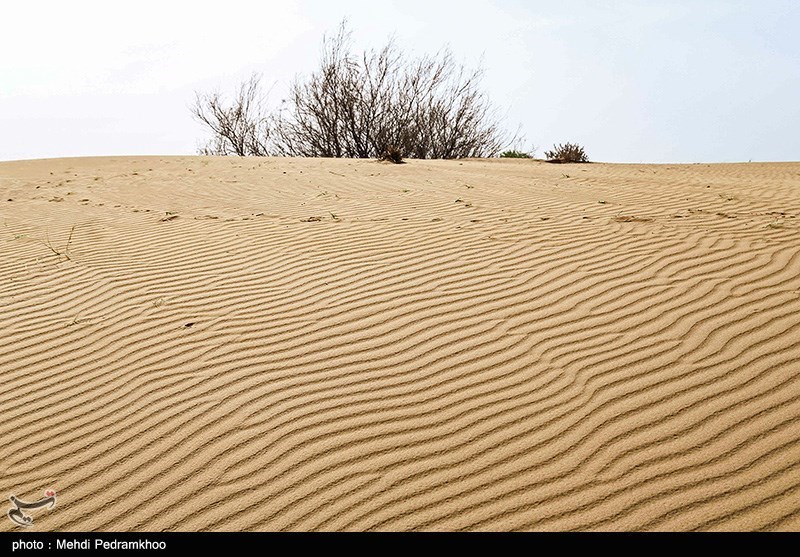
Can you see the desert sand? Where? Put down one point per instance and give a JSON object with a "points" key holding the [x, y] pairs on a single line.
{"points": [[227, 344]]}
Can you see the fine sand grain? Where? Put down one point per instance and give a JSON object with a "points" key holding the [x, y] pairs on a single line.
{"points": [[261, 344]]}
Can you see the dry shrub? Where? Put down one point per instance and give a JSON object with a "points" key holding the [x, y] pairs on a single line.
{"points": [[566, 153], [240, 128], [392, 154], [361, 105]]}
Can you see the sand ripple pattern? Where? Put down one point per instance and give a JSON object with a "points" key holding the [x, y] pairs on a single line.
{"points": [[281, 344]]}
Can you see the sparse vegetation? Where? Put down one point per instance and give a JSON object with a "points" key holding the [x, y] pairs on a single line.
{"points": [[566, 153], [60, 253], [515, 155], [241, 128], [374, 104], [392, 154]]}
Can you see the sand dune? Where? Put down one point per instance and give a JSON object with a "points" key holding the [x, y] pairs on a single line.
{"points": [[265, 344]]}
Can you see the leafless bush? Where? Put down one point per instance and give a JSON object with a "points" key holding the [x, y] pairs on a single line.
{"points": [[240, 128], [392, 154], [362, 106], [568, 152]]}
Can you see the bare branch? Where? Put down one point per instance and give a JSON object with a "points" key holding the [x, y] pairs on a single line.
{"points": [[361, 106]]}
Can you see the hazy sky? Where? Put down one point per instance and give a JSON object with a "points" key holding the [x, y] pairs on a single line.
{"points": [[633, 81]]}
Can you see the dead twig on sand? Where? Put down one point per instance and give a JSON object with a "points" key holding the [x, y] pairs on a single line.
{"points": [[63, 253]]}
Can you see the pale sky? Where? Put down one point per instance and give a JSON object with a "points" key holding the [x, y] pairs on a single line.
{"points": [[632, 81]]}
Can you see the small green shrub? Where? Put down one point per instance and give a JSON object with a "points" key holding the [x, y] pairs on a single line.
{"points": [[568, 152], [515, 155]]}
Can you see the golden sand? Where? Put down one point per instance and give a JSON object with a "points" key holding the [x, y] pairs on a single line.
{"points": [[261, 344]]}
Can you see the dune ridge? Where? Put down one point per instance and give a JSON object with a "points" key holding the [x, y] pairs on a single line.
{"points": [[197, 343]]}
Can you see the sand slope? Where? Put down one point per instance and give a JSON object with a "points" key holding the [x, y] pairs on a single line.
{"points": [[485, 345]]}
